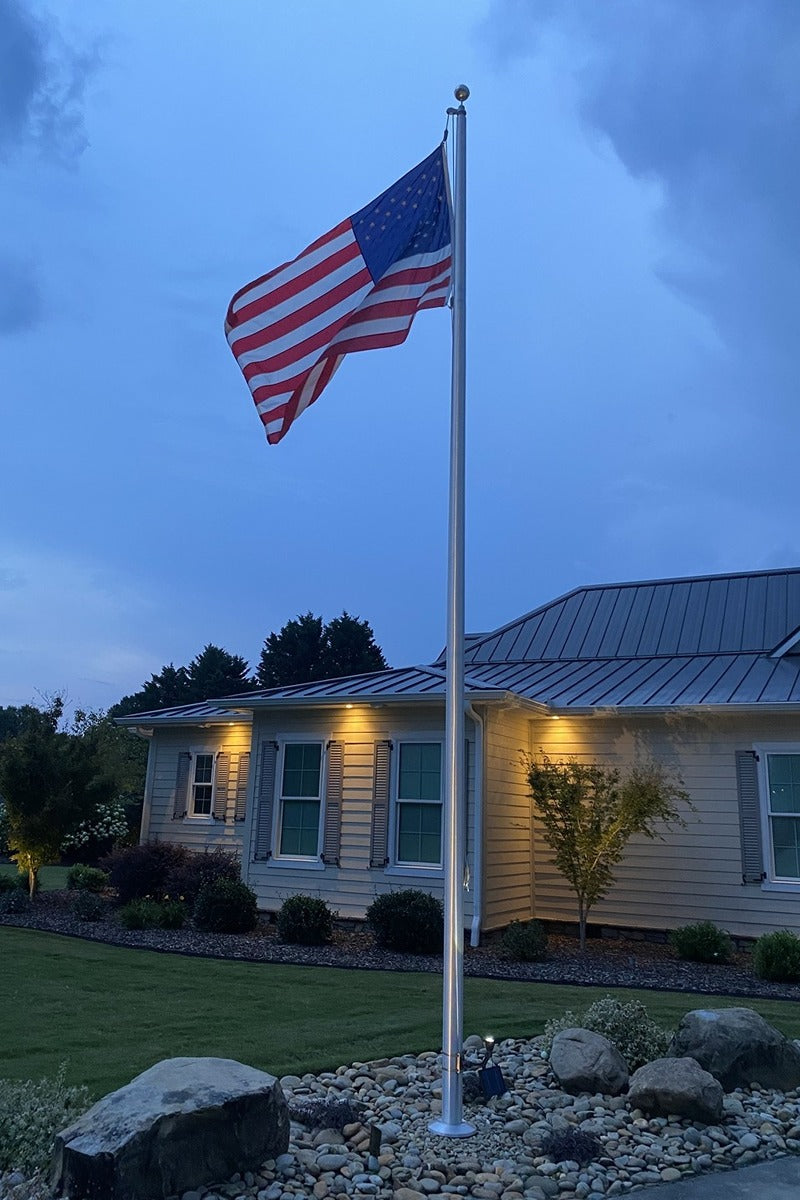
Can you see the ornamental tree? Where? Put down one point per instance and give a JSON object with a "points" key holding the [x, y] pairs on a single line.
{"points": [[589, 813]]}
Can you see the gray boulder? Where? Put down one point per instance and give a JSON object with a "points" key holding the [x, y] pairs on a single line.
{"points": [[677, 1086], [583, 1061], [738, 1047], [184, 1123]]}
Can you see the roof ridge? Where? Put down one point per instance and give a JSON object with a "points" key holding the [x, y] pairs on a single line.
{"points": [[630, 583]]}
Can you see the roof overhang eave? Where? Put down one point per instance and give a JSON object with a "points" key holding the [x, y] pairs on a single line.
{"points": [[662, 710], [374, 699]]}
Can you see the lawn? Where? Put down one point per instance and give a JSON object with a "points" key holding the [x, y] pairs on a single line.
{"points": [[109, 1012], [51, 879]]}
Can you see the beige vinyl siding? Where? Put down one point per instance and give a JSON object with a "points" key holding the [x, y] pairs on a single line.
{"points": [[695, 873], [508, 881], [192, 832], [352, 886]]}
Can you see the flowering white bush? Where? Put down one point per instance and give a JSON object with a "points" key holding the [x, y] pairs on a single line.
{"points": [[31, 1114], [107, 822]]}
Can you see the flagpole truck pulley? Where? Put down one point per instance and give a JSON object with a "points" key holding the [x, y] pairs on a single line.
{"points": [[452, 1123]]}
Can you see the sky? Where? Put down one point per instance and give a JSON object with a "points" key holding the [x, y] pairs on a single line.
{"points": [[633, 297]]}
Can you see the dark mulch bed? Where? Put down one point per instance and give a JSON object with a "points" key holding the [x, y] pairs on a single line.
{"points": [[606, 962]]}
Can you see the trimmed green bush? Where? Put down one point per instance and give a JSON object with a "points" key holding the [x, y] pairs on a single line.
{"points": [[704, 942], [525, 941], [305, 921], [86, 879], [226, 906], [626, 1023], [410, 921], [88, 906], [776, 956], [7, 883], [31, 1114], [153, 914]]}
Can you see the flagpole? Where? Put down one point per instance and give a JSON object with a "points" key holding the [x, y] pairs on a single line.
{"points": [[452, 1123]]}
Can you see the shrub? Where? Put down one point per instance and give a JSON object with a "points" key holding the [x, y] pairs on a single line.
{"points": [[15, 900], [88, 906], [153, 914], [626, 1023], [226, 906], [305, 921], [139, 871], [776, 956], [704, 942], [328, 1113], [410, 921], [31, 1113], [525, 941], [571, 1145], [7, 882], [189, 876], [86, 879]]}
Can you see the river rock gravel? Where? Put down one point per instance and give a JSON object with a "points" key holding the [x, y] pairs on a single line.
{"points": [[505, 1157]]}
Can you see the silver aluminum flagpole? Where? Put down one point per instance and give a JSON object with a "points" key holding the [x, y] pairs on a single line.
{"points": [[452, 1123]]}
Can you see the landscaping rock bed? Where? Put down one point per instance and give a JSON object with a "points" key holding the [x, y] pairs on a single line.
{"points": [[606, 962], [505, 1158]]}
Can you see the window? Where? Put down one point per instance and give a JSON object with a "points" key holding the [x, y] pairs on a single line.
{"points": [[418, 833], [202, 793], [300, 800], [783, 814]]}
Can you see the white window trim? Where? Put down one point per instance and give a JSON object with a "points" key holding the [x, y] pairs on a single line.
{"points": [[771, 882], [312, 862], [191, 815], [420, 870]]}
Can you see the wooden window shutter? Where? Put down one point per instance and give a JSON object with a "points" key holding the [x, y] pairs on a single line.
{"points": [[181, 802], [749, 816], [265, 801], [379, 843], [222, 776], [334, 781], [241, 786]]}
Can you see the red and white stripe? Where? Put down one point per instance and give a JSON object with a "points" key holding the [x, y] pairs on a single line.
{"points": [[290, 329]]}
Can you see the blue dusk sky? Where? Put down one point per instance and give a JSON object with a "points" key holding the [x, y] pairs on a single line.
{"points": [[633, 301]]}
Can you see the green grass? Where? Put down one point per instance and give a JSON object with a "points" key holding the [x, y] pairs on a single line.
{"points": [[51, 879], [111, 1012]]}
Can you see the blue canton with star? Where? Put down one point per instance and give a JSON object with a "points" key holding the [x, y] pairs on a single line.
{"points": [[411, 217]]}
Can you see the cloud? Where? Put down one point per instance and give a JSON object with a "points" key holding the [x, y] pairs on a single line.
{"points": [[21, 304], [42, 85], [703, 99]]}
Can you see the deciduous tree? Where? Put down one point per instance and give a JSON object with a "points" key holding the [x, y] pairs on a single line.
{"points": [[590, 812]]}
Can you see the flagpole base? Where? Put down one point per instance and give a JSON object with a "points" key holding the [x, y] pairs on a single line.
{"points": [[445, 1129]]}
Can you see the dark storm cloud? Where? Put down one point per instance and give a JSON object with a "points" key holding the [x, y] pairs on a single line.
{"points": [[42, 83], [704, 99]]}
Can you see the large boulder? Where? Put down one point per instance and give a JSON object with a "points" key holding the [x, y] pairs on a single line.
{"points": [[738, 1047], [183, 1123], [676, 1086], [583, 1061]]}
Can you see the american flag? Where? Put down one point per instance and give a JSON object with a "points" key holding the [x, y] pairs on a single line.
{"points": [[358, 287]]}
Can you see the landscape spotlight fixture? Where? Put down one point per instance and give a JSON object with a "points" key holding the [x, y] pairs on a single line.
{"points": [[490, 1077]]}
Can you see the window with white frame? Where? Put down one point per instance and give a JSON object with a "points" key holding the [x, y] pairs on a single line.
{"points": [[300, 800], [782, 812], [202, 784], [418, 807]]}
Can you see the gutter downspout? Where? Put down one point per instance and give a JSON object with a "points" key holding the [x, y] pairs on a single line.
{"points": [[147, 799], [477, 903]]}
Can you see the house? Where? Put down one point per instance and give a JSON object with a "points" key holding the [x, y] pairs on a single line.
{"points": [[335, 788]]}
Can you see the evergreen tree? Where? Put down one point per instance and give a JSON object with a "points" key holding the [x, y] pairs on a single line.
{"points": [[306, 649]]}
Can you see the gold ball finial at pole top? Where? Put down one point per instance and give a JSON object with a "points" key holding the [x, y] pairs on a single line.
{"points": [[461, 93]]}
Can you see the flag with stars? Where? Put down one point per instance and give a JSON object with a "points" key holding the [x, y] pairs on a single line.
{"points": [[358, 287]]}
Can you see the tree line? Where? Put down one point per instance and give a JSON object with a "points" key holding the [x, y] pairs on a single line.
{"points": [[306, 649]]}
